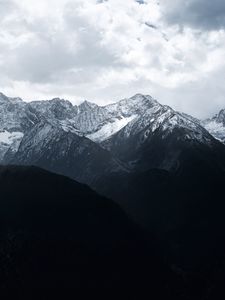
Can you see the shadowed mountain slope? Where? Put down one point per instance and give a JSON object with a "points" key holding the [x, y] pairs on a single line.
{"points": [[57, 233]]}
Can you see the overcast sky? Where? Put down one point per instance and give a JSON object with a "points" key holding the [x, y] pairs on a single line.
{"points": [[105, 50]]}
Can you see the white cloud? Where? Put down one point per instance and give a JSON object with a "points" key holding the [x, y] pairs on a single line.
{"points": [[106, 50]]}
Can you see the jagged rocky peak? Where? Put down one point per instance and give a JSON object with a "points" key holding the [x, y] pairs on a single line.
{"points": [[216, 125], [63, 109], [135, 113], [53, 102], [60, 101], [131, 107], [141, 97], [86, 106], [220, 118], [159, 121], [5, 99], [56, 108], [100, 122], [138, 102]]}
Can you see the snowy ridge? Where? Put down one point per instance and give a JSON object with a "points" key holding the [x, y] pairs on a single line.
{"points": [[93, 119], [164, 119], [158, 139]]}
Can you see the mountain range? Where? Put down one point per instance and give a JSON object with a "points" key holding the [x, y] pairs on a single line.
{"points": [[165, 168], [105, 126], [90, 142]]}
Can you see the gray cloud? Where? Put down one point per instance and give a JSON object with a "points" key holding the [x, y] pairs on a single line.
{"points": [[6, 6], [203, 14], [107, 50], [70, 54]]}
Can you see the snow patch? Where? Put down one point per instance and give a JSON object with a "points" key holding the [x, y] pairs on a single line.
{"points": [[9, 138], [109, 129]]}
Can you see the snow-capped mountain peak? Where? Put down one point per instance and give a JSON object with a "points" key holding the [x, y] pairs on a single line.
{"points": [[216, 125], [164, 118], [98, 123], [220, 118], [136, 104]]}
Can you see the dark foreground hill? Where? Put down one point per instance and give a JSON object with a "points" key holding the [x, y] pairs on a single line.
{"points": [[185, 209], [55, 232]]}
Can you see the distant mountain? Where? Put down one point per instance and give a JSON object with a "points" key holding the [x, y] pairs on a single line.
{"points": [[216, 125], [57, 233], [159, 137]]}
